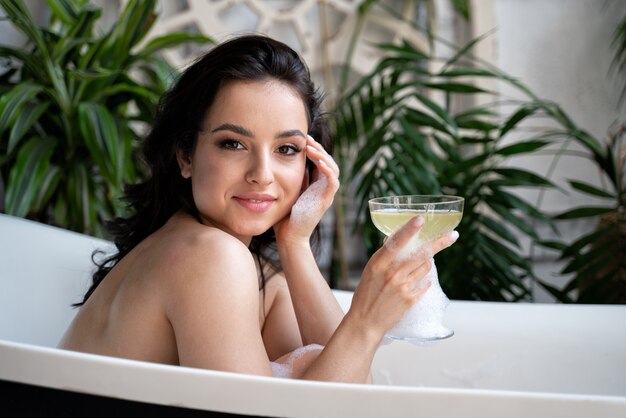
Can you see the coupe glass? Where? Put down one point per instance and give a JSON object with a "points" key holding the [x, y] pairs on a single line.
{"points": [[423, 321]]}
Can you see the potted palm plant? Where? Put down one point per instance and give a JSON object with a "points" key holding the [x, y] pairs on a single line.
{"points": [[595, 263], [394, 137], [73, 101]]}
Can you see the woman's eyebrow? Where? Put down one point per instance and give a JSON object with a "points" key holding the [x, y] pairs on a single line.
{"points": [[290, 133], [233, 128], [245, 132]]}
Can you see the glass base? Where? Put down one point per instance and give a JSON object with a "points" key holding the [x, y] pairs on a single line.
{"points": [[418, 339]]}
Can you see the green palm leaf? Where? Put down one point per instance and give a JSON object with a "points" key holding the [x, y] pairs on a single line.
{"points": [[67, 134], [28, 175]]}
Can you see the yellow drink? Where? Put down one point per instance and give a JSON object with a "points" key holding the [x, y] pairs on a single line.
{"points": [[437, 222]]}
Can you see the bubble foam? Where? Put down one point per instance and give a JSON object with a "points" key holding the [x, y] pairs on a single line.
{"points": [[310, 201], [413, 248], [285, 367], [424, 319]]}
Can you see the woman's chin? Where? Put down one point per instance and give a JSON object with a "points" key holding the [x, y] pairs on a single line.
{"points": [[251, 230]]}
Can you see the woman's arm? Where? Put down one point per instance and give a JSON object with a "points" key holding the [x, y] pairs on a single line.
{"points": [[388, 287], [317, 312], [211, 299], [383, 295]]}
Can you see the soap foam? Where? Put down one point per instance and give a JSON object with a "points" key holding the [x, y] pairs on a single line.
{"points": [[310, 200], [285, 369], [424, 319], [413, 248], [280, 370]]}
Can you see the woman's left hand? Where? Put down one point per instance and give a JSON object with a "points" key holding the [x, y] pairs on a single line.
{"points": [[317, 196]]}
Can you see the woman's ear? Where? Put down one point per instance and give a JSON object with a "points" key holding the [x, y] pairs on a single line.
{"points": [[184, 162]]}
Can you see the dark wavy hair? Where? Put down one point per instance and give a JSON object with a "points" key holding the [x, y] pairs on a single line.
{"points": [[178, 121]]}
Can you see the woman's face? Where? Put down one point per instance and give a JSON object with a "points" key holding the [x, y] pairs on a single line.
{"points": [[248, 165]]}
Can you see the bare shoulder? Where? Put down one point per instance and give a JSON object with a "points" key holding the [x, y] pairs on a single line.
{"points": [[192, 254], [209, 288]]}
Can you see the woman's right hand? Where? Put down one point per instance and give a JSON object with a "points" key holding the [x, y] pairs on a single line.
{"points": [[390, 283]]}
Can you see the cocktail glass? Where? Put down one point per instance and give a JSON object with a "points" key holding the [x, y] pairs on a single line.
{"points": [[423, 322]]}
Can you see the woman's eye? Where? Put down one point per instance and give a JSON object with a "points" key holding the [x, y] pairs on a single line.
{"points": [[288, 149], [231, 144]]}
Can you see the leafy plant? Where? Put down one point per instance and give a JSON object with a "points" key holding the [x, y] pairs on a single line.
{"points": [[395, 138], [73, 102], [398, 133], [596, 259], [619, 59]]}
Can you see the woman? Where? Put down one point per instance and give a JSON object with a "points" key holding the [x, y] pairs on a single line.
{"points": [[214, 268]]}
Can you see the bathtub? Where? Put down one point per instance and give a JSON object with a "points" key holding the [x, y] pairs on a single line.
{"points": [[505, 360]]}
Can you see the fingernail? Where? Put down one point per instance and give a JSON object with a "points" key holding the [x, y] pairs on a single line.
{"points": [[310, 137], [454, 235], [419, 221], [311, 148], [323, 163]]}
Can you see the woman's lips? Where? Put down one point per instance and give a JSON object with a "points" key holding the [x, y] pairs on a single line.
{"points": [[255, 202]]}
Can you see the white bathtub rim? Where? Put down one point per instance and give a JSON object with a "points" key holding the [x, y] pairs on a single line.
{"points": [[80, 356], [261, 400]]}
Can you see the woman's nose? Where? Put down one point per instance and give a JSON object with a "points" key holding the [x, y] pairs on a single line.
{"points": [[260, 170]]}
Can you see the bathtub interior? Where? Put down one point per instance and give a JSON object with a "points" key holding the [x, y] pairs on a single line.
{"points": [[43, 271], [509, 347]]}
